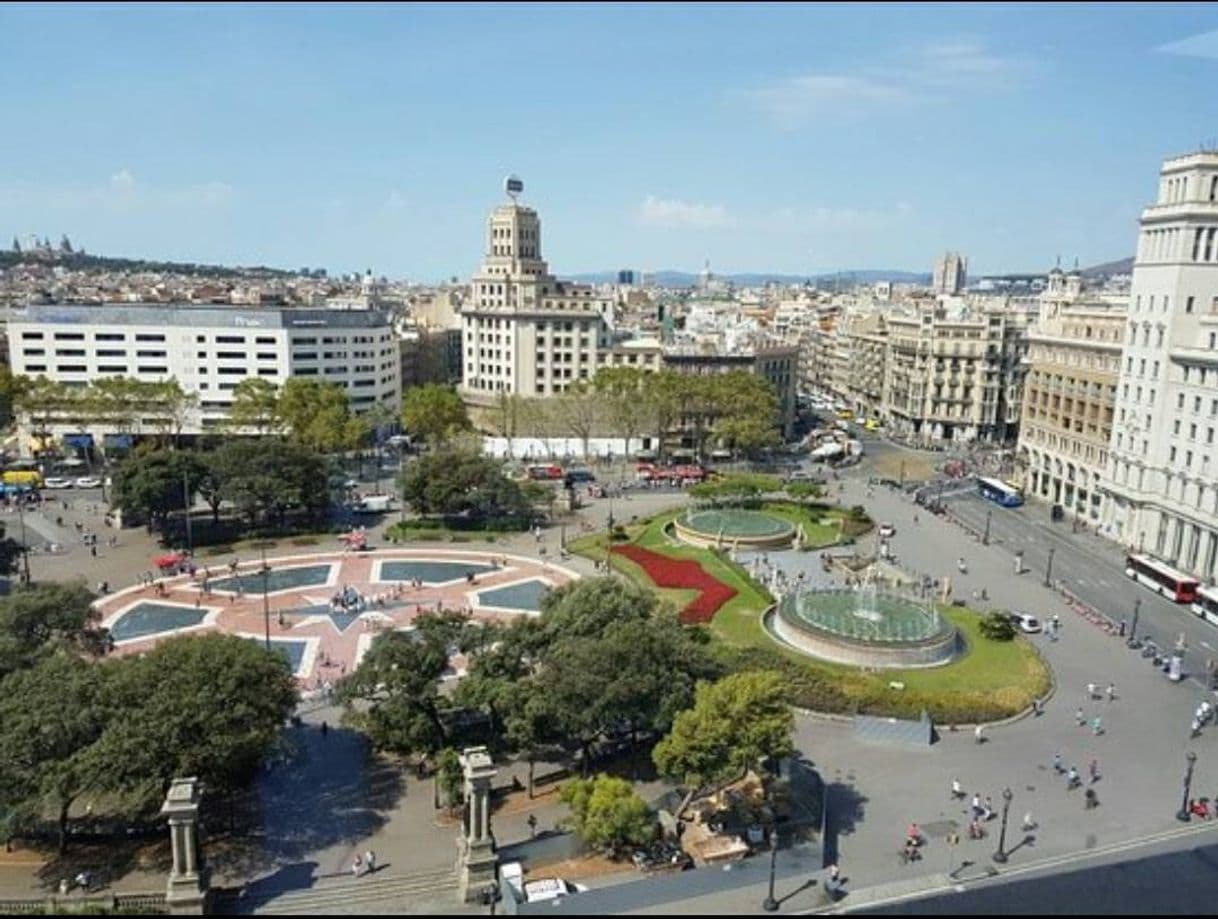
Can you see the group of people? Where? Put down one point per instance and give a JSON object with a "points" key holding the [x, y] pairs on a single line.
{"points": [[1202, 717], [1094, 695], [363, 864]]}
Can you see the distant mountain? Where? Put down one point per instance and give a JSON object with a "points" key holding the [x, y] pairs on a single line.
{"points": [[670, 278], [1121, 266]]}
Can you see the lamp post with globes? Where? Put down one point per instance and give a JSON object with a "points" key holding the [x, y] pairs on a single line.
{"points": [[769, 904], [1001, 855]]}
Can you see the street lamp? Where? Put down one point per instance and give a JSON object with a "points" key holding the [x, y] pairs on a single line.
{"points": [[985, 538], [1182, 813], [1133, 629], [25, 546], [1049, 570], [769, 904], [1001, 855], [186, 507], [266, 609]]}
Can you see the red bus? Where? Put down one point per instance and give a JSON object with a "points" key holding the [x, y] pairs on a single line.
{"points": [[1161, 577]]}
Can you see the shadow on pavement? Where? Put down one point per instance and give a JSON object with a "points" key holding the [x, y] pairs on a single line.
{"points": [[327, 790]]}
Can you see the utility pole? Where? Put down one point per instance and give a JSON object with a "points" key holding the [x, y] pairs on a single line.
{"points": [[25, 548], [266, 609], [190, 546]]}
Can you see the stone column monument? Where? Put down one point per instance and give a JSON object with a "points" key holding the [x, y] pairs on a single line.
{"points": [[187, 889], [477, 860]]}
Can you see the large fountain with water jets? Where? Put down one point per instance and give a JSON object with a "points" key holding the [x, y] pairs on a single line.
{"points": [[863, 626]]}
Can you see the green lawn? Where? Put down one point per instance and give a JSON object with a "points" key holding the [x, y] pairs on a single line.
{"points": [[990, 680]]}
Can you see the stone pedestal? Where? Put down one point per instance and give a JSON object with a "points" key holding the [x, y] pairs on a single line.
{"points": [[186, 893], [477, 859]]}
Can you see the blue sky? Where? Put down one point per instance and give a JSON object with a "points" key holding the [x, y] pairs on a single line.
{"points": [[779, 137]]}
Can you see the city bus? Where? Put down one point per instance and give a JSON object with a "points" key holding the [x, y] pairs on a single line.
{"points": [[999, 492], [1163, 578], [1205, 604]]}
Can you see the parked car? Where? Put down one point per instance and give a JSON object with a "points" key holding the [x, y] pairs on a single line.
{"points": [[539, 889], [887, 531], [56, 482], [88, 481]]}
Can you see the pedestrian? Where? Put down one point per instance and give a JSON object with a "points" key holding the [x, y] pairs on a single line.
{"points": [[1057, 763], [1091, 691], [1072, 779], [357, 866], [988, 811], [1038, 707], [1096, 727], [1196, 729], [1093, 768], [977, 734], [1028, 823], [1111, 692], [1090, 800], [1057, 623], [325, 729], [1080, 717], [976, 807], [370, 860], [532, 822], [957, 790]]}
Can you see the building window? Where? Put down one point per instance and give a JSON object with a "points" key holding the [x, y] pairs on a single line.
{"points": [[230, 339], [230, 355], [231, 371], [69, 336], [149, 337], [153, 369], [31, 336], [264, 340], [110, 336], [149, 353], [1188, 304], [111, 368], [35, 368], [30, 352]]}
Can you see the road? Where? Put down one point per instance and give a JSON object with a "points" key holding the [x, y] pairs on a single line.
{"points": [[1090, 567]]}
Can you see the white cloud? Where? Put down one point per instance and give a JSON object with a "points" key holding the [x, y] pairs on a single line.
{"points": [[1203, 45], [673, 213], [121, 192], [822, 219], [924, 74]]}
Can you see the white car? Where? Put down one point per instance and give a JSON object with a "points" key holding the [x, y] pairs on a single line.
{"points": [[887, 531], [1026, 622], [88, 481], [539, 889], [56, 482]]}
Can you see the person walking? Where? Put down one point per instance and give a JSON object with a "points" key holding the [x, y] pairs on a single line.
{"points": [[1057, 763], [1072, 779], [357, 866], [370, 861], [957, 790], [1111, 692], [1091, 691], [976, 807], [1097, 727], [1196, 732], [1080, 717], [532, 822]]}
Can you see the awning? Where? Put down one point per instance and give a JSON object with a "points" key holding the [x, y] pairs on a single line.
{"points": [[79, 441], [117, 441]]}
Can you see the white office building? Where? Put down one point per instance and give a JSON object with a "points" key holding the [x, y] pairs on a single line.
{"points": [[1162, 475], [208, 350]]}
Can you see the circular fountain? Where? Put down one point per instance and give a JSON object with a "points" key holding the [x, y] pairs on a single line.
{"points": [[733, 528], [863, 626]]}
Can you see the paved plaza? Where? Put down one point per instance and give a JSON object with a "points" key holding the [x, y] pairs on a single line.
{"points": [[322, 611]]}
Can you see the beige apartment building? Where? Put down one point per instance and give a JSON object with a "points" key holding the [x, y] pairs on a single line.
{"points": [[523, 330], [954, 370], [863, 363], [1074, 361]]}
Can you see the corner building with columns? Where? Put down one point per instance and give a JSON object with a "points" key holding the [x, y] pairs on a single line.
{"points": [[1161, 482]]}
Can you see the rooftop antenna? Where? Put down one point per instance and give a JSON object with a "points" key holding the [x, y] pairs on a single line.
{"points": [[513, 186]]}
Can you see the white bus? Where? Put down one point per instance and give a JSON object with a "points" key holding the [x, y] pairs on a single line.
{"points": [[1161, 578], [1205, 604]]}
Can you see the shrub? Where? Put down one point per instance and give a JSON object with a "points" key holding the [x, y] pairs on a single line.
{"points": [[997, 627], [608, 815]]}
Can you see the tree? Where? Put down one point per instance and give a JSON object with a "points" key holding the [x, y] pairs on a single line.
{"points": [[10, 552], [318, 415], [663, 396], [266, 477], [434, 412], [608, 815], [255, 406], [397, 686], [587, 607], [465, 484], [12, 389], [52, 717], [577, 411], [210, 706], [622, 390], [36, 621], [157, 482], [748, 412], [507, 416], [734, 725]]}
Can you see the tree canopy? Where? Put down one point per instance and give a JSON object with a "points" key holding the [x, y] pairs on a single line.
{"points": [[36, 621], [434, 412], [465, 484], [734, 725], [608, 815], [318, 415]]}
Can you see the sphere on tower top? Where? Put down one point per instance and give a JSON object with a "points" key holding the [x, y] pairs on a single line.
{"points": [[513, 186]]}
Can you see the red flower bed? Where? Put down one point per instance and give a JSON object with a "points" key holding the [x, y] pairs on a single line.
{"points": [[674, 572]]}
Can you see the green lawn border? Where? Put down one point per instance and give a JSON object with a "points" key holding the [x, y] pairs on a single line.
{"points": [[988, 682]]}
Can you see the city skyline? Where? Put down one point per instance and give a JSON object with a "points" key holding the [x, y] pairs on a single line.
{"points": [[215, 134]]}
